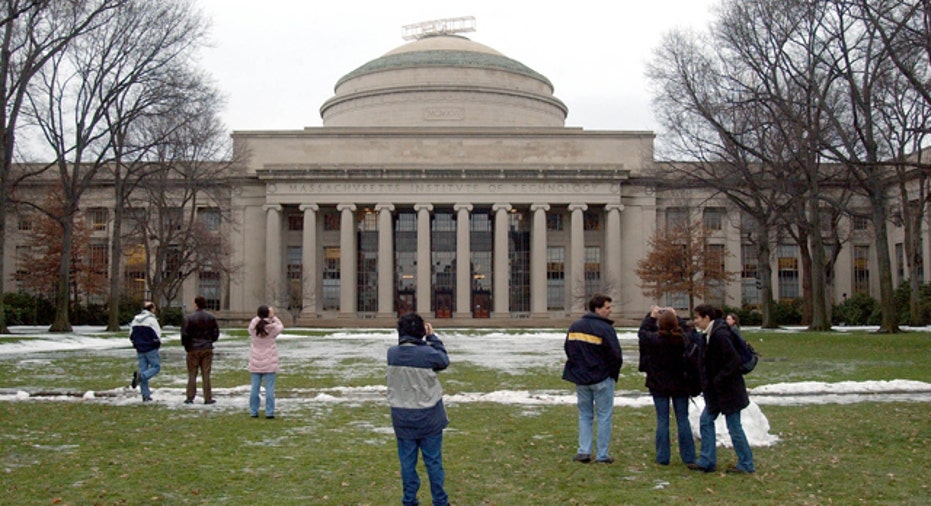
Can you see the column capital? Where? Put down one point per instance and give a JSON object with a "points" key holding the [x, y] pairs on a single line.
{"points": [[423, 207], [539, 207], [384, 207], [501, 207], [272, 207], [460, 207], [309, 207], [345, 207], [578, 207], [614, 207]]}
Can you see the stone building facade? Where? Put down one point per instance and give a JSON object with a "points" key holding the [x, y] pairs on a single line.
{"points": [[445, 181]]}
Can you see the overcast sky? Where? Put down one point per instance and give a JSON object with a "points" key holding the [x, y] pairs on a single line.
{"points": [[277, 61]]}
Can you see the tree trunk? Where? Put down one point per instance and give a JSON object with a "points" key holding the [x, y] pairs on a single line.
{"points": [[62, 323], [116, 254], [890, 317]]}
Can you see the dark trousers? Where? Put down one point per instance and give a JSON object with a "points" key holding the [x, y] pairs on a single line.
{"points": [[201, 359]]}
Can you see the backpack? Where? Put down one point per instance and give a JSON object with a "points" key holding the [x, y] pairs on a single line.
{"points": [[748, 356]]}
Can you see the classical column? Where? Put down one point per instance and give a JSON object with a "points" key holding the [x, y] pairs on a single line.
{"points": [[463, 261], [424, 259], [309, 261], [538, 260], [502, 266], [347, 260], [385, 261], [273, 291], [611, 263], [576, 283]]}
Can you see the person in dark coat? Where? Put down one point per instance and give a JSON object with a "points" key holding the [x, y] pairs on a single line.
{"points": [[198, 333], [593, 363], [671, 377], [723, 389]]}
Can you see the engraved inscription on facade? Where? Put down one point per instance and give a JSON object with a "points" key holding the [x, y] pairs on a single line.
{"points": [[444, 114], [541, 188]]}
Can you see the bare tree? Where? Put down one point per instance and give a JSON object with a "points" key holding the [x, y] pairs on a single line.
{"points": [[181, 210], [32, 32], [96, 76]]}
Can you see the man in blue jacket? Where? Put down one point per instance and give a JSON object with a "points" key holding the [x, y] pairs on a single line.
{"points": [[145, 335], [593, 364], [416, 399]]}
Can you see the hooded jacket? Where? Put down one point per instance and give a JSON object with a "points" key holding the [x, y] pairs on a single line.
{"points": [[263, 350], [592, 350], [662, 358], [414, 391], [145, 332]]}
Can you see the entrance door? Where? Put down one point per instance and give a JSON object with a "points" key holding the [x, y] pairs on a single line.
{"points": [[406, 303], [444, 304], [481, 304]]}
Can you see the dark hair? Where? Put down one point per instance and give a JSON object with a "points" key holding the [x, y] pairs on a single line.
{"points": [[200, 302], [411, 324], [149, 306], [736, 319], [260, 326], [708, 310], [597, 301], [669, 326]]}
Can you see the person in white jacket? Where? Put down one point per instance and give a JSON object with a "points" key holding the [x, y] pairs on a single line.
{"points": [[263, 359], [146, 335]]}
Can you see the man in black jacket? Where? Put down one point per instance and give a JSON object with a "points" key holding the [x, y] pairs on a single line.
{"points": [[198, 333], [593, 364], [146, 335], [724, 391]]}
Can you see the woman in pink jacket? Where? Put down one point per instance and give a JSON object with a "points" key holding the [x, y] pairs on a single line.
{"points": [[263, 359]]}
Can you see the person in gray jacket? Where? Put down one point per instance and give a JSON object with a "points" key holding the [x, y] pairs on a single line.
{"points": [[417, 411], [198, 333]]}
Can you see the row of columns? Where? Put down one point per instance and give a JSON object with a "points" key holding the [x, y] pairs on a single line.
{"points": [[501, 275]]}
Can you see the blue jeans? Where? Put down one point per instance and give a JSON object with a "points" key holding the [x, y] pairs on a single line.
{"points": [[709, 458], [683, 427], [432, 449], [257, 378], [149, 365], [591, 398]]}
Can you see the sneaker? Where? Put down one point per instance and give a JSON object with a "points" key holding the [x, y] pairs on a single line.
{"points": [[189, 400], [606, 460], [695, 467], [269, 417], [582, 457], [146, 399], [135, 379], [211, 401], [736, 470]]}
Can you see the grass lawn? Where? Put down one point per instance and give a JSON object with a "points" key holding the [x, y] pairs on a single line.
{"points": [[343, 453]]}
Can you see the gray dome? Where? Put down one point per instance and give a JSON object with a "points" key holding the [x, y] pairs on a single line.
{"points": [[444, 80]]}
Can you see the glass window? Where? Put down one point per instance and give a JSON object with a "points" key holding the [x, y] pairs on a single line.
{"points": [[330, 275], [861, 269], [210, 288], [210, 217], [99, 258], [295, 222], [519, 256], [677, 217], [592, 271], [99, 217], [554, 221], [555, 278], [591, 220], [787, 259], [330, 220], [713, 217]]}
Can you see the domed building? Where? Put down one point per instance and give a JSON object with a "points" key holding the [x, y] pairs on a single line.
{"points": [[443, 181]]}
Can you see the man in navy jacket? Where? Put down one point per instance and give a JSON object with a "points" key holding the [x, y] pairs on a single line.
{"points": [[593, 364], [417, 411]]}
